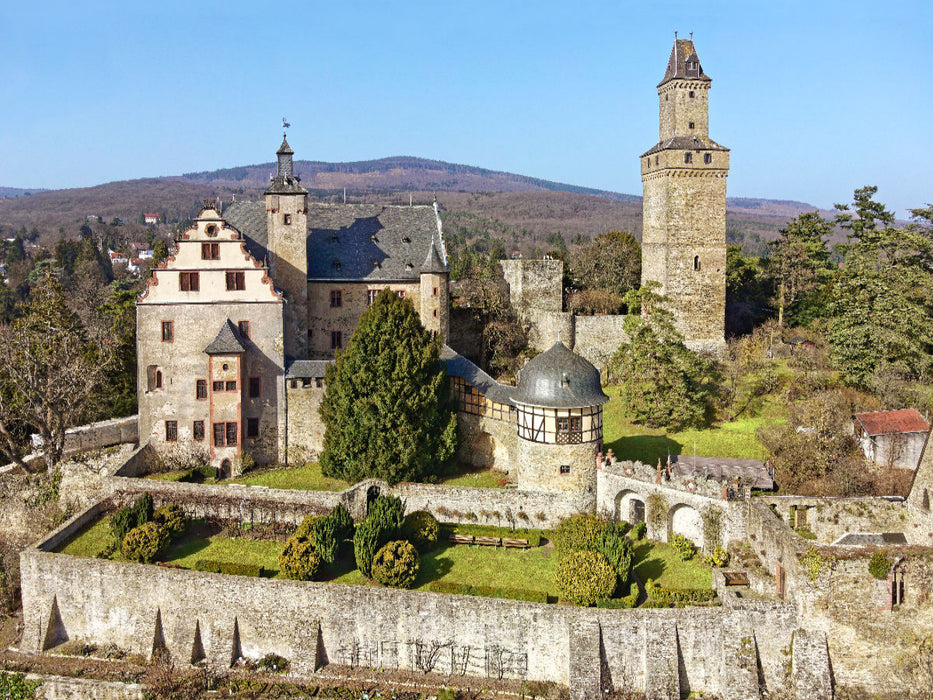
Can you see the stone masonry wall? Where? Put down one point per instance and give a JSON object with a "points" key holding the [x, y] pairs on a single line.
{"points": [[95, 436], [534, 284], [305, 429], [598, 337]]}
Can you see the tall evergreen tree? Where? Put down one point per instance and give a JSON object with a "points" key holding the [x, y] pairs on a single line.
{"points": [[386, 411], [882, 308], [663, 383], [800, 266]]}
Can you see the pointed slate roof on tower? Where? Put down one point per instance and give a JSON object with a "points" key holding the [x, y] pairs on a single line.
{"points": [[684, 63], [433, 262], [285, 181], [226, 342]]}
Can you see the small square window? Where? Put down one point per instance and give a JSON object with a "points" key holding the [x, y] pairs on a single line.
{"points": [[168, 331], [201, 390], [210, 251], [400, 293], [243, 327], [287, 218], [252, 427], [171, 430], [691, 93], [230, 386], [218, 386], [197, 430], [336, 298], [236, 281], [691, 125], [336, 340], [564, 468], [255, 387]]}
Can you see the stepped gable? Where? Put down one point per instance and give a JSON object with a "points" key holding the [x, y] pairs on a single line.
{"points": [[353, 241], [559, 378]]}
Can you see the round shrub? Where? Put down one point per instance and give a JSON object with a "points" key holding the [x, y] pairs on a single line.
{"points": [[299, 560], [144, 543], [305, 531], [718, 558], [584, 577], [173, 518], [879, 565], [421, 529], [396, 564], [638, 531], [617, 548], [685, 548], [577, 533]]}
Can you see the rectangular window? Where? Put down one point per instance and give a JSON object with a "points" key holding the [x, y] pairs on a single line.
{"points": [[230, 386], [691, 125], [201, 391], [171, 430], [210, 251], [243, 327], [707, 158], [236, 281], [336, 298], [688, 158], [371, 296], [231, 434], [219, 429], [252, 427], [434, 293], [188, 281], [336, 340], [564, 468], [255, 387], [287, 218], [198, 430], [168, 332], [218, 386]]}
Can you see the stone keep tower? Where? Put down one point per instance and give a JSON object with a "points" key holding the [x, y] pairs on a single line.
{"points": [[287, 224], [684, 205]]}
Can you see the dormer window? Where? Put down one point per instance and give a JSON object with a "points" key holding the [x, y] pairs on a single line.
{"points": [[336, 264], [376, 264], [409, 266], [334, 239], [406, 239], [372, 238]]}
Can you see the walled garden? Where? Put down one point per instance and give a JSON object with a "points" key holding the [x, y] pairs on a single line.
{"points": [[584, 561]]}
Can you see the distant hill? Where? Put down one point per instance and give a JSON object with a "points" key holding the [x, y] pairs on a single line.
{"points": [[540, 208], [8, 192]]}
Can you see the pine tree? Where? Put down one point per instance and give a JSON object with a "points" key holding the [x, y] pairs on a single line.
{"points": [[386, 411]]}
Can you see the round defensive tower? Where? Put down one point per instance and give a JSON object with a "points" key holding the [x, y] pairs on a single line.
{"points": [[558, 406]]}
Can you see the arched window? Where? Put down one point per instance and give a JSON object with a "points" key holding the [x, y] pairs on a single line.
{"points": [[696, 262], [158, 379]]}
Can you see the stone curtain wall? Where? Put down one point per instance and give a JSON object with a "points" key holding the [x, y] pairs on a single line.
{"points": [[598, 337], [534, 284], [831, 518], [504, 434], [194, 615]]}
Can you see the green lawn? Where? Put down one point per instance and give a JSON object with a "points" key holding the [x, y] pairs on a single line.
{"points": [[188, 550], [661, 562], [304, 478], [91, 540], [478, 478]]}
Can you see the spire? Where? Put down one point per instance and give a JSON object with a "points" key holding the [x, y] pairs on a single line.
{"points": [[433, 263], [684, 63], [284, 154], [285, 181]]}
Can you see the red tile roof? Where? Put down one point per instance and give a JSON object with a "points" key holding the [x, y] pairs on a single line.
{"points": [[905, 420]]}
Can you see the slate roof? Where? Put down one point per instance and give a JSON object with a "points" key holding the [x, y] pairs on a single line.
{"points": [[682, 54], [862, 539], [307, 369], [459, 366], [685, 143], [367, 242], [227, 341], [904, 420], [752, 472], [559, 378]]}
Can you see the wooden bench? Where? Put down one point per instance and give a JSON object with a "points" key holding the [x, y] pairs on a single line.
{"points": [[517, 543], [735, 578], [488, 541], [460, 539]]}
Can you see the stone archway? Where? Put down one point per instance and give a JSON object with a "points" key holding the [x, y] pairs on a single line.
{"points": [[488, 453], [630, 506], [685, 520], [226, 469]]}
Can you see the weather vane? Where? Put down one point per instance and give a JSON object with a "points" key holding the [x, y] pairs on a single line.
{"points": [[285, 123]]}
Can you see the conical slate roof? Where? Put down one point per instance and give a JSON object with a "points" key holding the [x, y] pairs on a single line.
{"points": [[433, 262], [226, 342], [559, 378]]}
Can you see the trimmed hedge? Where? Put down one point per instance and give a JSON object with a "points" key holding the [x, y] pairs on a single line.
{"points": [[679, 595], [305, 531], [623, 603], [144, 543], [583, 577], [299, 560], [173, 518], [132, 516], [638, 531], [226, 567], [450, 588], [577, 533], [533, 536], [197, 475], [396, 564], [421, 529]]}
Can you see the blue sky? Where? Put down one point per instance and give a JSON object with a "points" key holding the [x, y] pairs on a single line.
{"points": [[814, 99]]}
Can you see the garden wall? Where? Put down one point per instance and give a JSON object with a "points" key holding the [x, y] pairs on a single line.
{"points": [[94, 436], [831, 518], [197, 615]]}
